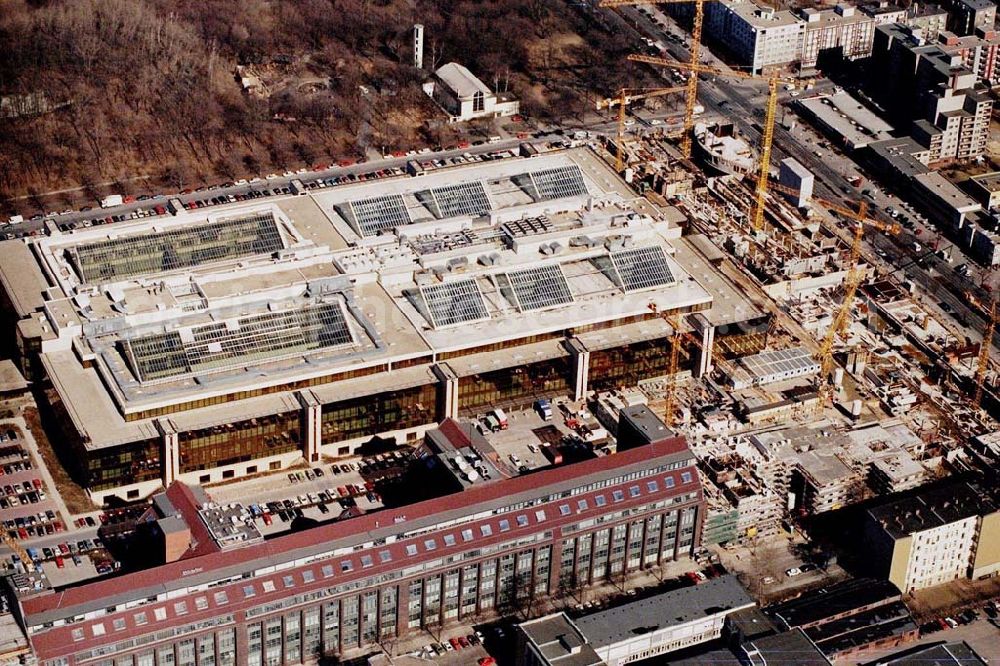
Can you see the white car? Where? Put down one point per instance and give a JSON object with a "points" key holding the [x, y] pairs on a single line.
{"points": [[793, 572]]}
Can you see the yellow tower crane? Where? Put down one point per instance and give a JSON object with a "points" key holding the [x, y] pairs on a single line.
{"points": [[760, 195], [676, 339], [625, 97], [851, 283], [691, 100], [983, 362]]}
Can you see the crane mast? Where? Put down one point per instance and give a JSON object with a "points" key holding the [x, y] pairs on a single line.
{"points": [[625, 97], [767, 135], [691, 97]]}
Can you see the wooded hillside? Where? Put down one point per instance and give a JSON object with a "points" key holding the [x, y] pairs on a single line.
{"points": [[100, 92]]}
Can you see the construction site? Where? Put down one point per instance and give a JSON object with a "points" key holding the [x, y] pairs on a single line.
{"points": [[853, 382], [688, 284]]}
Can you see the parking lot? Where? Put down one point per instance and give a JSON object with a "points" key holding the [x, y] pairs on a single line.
{"points": [[321, 492], [522, 443], [773, 571], [29, 509]]}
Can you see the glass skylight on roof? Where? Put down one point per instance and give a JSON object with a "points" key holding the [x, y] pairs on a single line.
{"points": [[642, 268], [370, 216], [538, 288], [455, 302], [238, 342], [158, 252], [455, 200], [555, 183]]}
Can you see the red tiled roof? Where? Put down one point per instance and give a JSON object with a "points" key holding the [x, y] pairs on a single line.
{"points": [[453, 431], [184, 501], [341, 529]]}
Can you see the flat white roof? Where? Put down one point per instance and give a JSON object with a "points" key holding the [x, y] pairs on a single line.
{"points": [[572, 248], [849, 118]]}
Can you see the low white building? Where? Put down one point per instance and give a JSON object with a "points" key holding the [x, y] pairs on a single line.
{"points": [[464, 97], [774, 366], [643, 628], [637, 630]]}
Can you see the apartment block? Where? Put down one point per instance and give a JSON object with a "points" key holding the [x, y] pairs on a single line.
{"points": [[936, 536], [956, 121], [932, 87], [764, 38], [759, 36], [884, 12], [841, 29], [967, 16], [979, 52]]}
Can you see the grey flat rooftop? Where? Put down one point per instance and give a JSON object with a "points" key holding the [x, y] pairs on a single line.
{"points": [[899, 153], [230, 525], [767, 363], [729, 304], [841, 111], [824, 467], [716, 656], [21, 277], [752, 623], [672, 608], [643, 418], [933, 507], [833, 600], [945, 654], [988, 181], [947, 192], [790, 647], [889, 621], [11, 378], [751, 13], [560, 641]]}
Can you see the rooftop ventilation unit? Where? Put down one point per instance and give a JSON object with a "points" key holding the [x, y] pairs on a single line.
{"points": [[457, 264], [614, 243], [424, 277], [583, 241]]}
